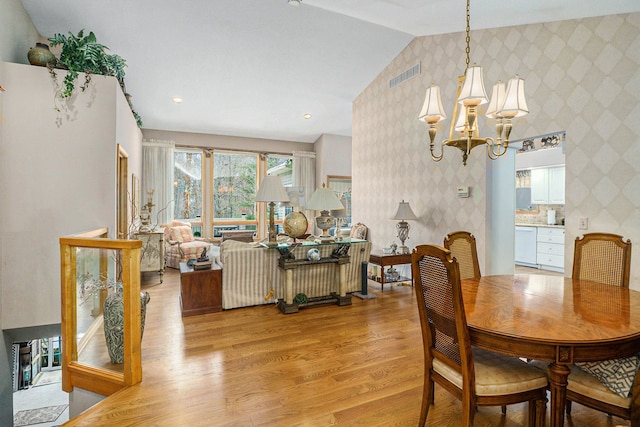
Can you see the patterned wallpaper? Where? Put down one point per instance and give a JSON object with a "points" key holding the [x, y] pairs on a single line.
{"points": [[581, 76]]}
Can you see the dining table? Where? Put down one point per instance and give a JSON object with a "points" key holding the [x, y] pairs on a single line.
{"points": [[555, 319]]}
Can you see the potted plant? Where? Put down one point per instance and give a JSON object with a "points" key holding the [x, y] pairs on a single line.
{"points": [[83, 54]]}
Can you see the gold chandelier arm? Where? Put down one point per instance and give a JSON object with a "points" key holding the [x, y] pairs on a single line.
{"points": [[494, 153]]}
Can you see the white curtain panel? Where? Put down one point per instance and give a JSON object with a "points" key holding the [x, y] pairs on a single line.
{"points": [[157, 175], [304, 175]]}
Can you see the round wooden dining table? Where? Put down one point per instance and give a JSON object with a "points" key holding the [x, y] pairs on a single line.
{"points": [[555, 319]]}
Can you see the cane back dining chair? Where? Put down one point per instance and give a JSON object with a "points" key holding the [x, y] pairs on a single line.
{"points": [[603, 258], [462, 245], [476, 377]]}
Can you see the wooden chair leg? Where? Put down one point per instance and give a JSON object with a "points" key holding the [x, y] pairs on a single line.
{"points": [[504, 409], [568, 407], [427, 400], [540, 413]]}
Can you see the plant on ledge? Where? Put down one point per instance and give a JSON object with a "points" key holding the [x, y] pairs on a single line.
{"points": [[83, 54]]}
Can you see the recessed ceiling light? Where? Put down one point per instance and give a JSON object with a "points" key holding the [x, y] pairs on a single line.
{"points": [[295, 2], [307, 116], [176, 100]]}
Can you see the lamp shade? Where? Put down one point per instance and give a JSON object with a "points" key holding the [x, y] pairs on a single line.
{"points": [[432, 110], [324, 199], [404, 212], [340, 213], [271, 190], [515, 104], [497, 100], [473, 89]]}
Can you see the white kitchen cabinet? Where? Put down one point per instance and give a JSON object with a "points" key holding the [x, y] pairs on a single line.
{"points": [[550, 248], [547, 186], [539, 186], [556, 185], [525, 248]]}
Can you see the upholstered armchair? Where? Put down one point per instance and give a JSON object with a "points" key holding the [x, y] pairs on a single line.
{"points": [[180, 244]]}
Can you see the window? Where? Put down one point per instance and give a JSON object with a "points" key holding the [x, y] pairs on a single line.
{"points": [[216, 192], [187, 186]]}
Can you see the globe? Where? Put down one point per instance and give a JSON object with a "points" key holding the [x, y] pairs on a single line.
{"points": [[295, 224]]}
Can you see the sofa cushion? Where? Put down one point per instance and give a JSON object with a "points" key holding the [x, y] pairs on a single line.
{"points": [[181, 233]]}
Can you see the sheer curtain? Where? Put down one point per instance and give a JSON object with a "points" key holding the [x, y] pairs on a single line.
{"points": [[157, 175], [304, 175]]}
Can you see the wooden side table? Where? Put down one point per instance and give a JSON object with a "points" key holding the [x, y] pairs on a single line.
{"points": [[390, 260], [200, 290]]}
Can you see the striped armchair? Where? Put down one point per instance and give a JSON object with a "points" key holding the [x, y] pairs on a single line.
{"points": [[251, 276]]}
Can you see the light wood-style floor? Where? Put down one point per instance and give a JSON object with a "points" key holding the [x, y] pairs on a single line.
{"points": [[359, 365]]}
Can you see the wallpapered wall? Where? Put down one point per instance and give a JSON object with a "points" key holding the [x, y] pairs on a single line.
{"points": [[581, 76]]}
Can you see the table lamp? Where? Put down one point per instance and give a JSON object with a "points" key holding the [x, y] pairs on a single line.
{"points": [[404, 212], [271, 190], [340, 215], [324, 200]]}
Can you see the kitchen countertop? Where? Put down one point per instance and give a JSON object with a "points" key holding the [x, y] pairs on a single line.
{"points": [[538, 225]]}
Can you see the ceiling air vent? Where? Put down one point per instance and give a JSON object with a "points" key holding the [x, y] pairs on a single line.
{"points": [[405, 75]]}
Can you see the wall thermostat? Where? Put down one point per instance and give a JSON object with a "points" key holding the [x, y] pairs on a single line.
{"points": [[463, 191]]}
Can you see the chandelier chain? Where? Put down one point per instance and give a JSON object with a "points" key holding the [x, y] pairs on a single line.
{"points": [[468, 39]]}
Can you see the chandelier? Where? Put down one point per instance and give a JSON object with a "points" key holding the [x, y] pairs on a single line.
{"points": [[505, 105]]}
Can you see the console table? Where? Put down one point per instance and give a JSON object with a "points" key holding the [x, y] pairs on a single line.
{"points": [[339, 257], [390, 260]]}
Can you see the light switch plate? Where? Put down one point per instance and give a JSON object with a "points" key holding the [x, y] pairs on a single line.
{"points": [[463, 191], [583, 224]]}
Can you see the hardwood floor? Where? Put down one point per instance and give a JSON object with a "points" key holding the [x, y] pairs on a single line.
{"points": [[359, 365]]}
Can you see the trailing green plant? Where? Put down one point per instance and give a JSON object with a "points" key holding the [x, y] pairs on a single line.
{"points": [[83, 54]]}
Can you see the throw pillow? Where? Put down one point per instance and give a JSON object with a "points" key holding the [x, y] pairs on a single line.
{"points": [[181, 234], [359, 231], [617, 374]]}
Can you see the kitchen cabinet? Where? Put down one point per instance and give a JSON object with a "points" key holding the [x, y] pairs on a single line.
{"points": [[525, 248], [547, 186], [550, 248]]}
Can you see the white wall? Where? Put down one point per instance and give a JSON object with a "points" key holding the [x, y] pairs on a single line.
{"points": [[58, 171], [333, 157], [17, 33]]}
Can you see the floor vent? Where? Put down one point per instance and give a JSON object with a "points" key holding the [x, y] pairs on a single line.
{"points": [[406, 75]]}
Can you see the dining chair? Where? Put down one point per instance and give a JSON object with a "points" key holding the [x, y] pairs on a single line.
{"points": [[462, 245], [588, 390], [476, 377], [603, 258]]}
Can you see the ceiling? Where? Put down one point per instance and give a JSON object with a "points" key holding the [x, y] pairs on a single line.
{"points": [[253, 68]]}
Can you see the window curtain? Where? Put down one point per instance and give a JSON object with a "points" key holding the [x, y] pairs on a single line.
{"points": [[157, 175], [304, 175]]}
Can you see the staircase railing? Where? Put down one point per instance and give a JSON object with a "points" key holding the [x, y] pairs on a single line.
{"points": [[92, 267]]}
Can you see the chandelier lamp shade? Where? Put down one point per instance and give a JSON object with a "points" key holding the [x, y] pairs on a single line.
{"points": [[324, 200], [507, 102], [271, 190], [404, 213]]}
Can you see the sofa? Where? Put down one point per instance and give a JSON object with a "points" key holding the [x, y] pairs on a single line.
{"points": [[180, 244], [251, 276]]}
